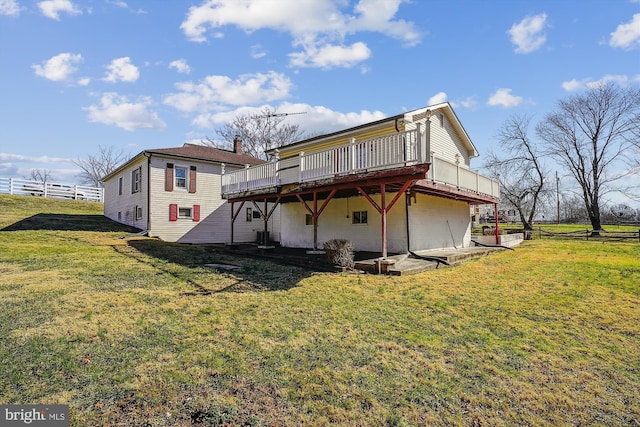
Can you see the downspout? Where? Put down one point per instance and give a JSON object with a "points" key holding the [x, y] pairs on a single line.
{"points": [[148, 156], [407, 203]]}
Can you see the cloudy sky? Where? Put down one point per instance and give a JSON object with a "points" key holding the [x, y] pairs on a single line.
{"points": [[137, 74]]}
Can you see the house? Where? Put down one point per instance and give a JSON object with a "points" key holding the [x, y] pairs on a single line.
{"points": [[174, 194], [398, 184]]}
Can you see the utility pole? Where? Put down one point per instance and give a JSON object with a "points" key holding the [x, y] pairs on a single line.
{"points": [[558, 195]]}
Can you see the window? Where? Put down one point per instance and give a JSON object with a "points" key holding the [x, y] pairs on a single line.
{"points": [[249, 216], [181, 177], [256, 215], [176, 212], [119, 216], [359, 217], [441, 117], [138, 212], [308, 219], [120, 186], [135, 180]]}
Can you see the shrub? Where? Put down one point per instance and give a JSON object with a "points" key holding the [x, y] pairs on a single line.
{"points": [[340, 252]]}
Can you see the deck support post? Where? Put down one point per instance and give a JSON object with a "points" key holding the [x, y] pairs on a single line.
{"points": [[315, 212], [234, 215], [495, 212], [265, 214], [382, 210]]}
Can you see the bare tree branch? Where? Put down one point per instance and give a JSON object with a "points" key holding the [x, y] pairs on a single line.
{"points": [[519, 169], [259, 133], [589, 134], [96, 166]]}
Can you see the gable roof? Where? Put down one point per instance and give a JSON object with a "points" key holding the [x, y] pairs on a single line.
{"points": [[193, 152]]}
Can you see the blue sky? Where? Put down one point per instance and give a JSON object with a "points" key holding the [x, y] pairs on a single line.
{"points": [[133, 74]]}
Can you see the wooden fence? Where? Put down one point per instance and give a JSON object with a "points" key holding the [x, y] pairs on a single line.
{"points": [[50, 189]]}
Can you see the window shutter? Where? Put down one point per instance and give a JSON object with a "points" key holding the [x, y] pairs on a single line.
{"points": [[192, 179], [173, 212], [196, 212], [140, 178], [168, 178]]}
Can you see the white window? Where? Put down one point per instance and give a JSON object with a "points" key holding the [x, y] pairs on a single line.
{"points": [[359, 217], [135, 181], [138, 212], [181, 177], [184, 212]]}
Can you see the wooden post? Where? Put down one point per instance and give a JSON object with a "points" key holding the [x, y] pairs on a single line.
{"points": [[315, 221], [383, 216], [495, 211], [266, 223]]}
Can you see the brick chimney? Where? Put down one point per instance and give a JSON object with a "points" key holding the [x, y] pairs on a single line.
{"points": [[237, 145]]}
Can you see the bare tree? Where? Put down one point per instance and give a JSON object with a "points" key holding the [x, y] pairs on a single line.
{"points": [[519, 169], [588, 134], [40, 175], [97, 166], [259, 132]]}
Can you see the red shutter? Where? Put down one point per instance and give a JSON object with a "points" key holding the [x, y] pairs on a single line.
{"points": [[173, 212], [168, 177], [192, 179], [196, 212]]}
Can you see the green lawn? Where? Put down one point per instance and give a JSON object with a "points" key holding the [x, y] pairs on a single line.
{"points": [[139, 332]]}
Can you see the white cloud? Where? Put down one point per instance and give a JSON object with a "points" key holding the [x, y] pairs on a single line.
{"points": [[19, 158], [118, 111], [9, 8], [181, 66], [58, 68], [627, 36], [330, 56], [53, 8], [122, 70], [503, 98], [438, 98], [621, 79], [216, 91], [527, 35], [320, 26], [258, 52], [317, 120]]}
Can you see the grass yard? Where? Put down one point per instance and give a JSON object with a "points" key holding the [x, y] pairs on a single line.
{"points": [[139, 332]]}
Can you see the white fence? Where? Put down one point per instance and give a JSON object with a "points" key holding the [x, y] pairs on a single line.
{"points": [[50, 189]]}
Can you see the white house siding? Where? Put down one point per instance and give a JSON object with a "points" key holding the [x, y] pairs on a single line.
{"points": [[335, 222], [215, 213], [429, 219], [122, 207], [433, 221], [445, 142]]}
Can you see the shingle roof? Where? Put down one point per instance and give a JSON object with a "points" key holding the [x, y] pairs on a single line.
{"points": [[201, 152], [195, 152]]}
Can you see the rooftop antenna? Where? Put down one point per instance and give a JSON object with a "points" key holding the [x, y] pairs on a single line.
{"points": [[278, 115]]}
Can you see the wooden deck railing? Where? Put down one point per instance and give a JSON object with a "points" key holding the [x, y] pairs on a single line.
{"points": [[386, 152]]}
